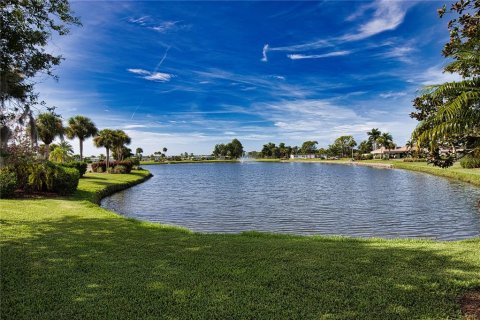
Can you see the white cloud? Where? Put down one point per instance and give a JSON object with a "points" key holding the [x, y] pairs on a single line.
{"points": [[435, 75], [164, 26], [297, 56], [152, 76], [139, 71], [388, 15], [264, 53], [390, 94], [159, 76]]}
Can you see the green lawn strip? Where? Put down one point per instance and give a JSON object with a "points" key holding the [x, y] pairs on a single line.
{"points": [[68, 258]]}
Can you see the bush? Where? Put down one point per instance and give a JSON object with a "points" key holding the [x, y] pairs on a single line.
{"points": [[128, 164], [79, 165], [470, 162], [48, 177], [8, 183], [99, 170], [120, 169], [66, 180]]}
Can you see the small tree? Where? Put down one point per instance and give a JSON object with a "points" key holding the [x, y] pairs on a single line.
{"points": [[106, 139], [49, 126]]}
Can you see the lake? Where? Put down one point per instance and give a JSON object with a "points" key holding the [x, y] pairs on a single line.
{"points": [[303, 198]]}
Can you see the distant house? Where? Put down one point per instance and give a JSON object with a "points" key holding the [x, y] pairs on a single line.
{"points": [[302, 156], [396, 153], [203, 157]]}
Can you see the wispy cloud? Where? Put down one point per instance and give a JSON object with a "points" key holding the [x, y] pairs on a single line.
{"points": [[435, 75], [297, 56], [152, 76], [387, 15], [390, 94], [158, 26]]}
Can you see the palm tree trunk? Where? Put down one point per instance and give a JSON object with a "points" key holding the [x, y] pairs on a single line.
{"points": [[81, 149], [108, 156], [47, 151]]}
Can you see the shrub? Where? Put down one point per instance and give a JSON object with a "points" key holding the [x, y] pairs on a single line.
{"points": [[99, 170], [120, 169], [66, 180], [79, 165], [8, 183], [110, 170], [470, 162], [48, 177], [102, 164]]}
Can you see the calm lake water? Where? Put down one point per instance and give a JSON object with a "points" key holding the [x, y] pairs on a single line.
{"points": [[303, 198]]}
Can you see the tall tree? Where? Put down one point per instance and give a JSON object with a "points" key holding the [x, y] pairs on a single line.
{"points": [[346, 144], [106, 139], [236, 149], [121, 139], [373, 136], [82, 128], [49, 126], [138, 153], [309, 147], [386, 141], [26, 28], [449, 113]]}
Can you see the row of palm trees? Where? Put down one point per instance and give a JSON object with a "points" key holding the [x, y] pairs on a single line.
{"points": [[49, 126]]}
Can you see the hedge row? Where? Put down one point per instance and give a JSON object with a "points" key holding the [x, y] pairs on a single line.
{"points": [[124, 166]]}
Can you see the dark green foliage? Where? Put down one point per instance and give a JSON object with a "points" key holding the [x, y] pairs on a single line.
{"points": [[128, 164], [79, 165], [66, 180], [233, 150], [8, 183], [48, 177], [470, 162]]}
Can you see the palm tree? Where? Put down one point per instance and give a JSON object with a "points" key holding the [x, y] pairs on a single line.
{"points": [[61, 152], [82, 128], [165, 150], [105, 138], [121, 139], [373, 136], [138, 153], [459, 116], [49, 126], [386, 141]]}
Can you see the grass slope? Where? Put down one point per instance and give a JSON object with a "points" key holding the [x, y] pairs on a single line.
{"points": [[68, 258]]}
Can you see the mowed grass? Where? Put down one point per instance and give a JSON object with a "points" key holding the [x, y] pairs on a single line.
{"points": [[67, 258]]}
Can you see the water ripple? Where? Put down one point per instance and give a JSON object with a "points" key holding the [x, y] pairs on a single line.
{"points": [[304, 198]]}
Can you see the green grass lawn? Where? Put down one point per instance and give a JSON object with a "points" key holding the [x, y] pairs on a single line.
{"points": [[67, 258]]}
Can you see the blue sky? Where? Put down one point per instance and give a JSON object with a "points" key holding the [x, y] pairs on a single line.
{"points": [[189, 75]]}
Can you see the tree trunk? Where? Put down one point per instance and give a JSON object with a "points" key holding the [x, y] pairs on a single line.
{"points": [[108, 156], [81, 149], [47, 151]]}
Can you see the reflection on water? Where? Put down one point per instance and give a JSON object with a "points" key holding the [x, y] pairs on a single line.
{"points": [[303, 198]]}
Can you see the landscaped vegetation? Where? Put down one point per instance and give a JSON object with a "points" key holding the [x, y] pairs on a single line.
{"points": [[62, 256], [74, 259]]}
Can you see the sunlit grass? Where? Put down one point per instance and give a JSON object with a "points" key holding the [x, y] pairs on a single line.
{"points": [[68, 258]]}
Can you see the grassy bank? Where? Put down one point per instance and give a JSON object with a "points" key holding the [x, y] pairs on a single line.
{"points": [[68, 258], [187, 161]]}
